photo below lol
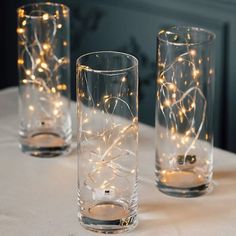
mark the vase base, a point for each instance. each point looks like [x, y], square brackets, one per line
[183, 184]
[108, 218]
[45, 145]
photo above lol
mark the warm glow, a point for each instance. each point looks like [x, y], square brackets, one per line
[53, 90]
[38, 60]
[61, 87]
[167, 103]
[193, 52]
[44, 65]
[31, 108]
[21, 13]
[46, 46]
[28, 72]
[20, 30]
[20, 61]
[123, 79]
[24, 22]
[45, 16]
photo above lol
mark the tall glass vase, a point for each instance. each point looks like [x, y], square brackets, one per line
[107, 98]
[44, 79]
[184, 111]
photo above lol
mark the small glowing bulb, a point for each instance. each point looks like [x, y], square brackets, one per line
[20, 30]
[38, 60]
[174, 95]
[180, 59]
[123, 79]
[183, 110]
[192, 52]
[20, 61]
[61, 87]
[172, 86]
[89, 132]
[172, 130]
[195, 73]
[46, 46]
[210, 71]
[53, 90]
[55, 112]
[132, 171]
[85, 121]
[21, 12]
[65, 43]
[206, 136]
[59, 26]
[65, 12]
[187, 132]
[40, 69]
[33, 77]
[24, 81]
[131, 93]
[200, 61]
[193, 105]
[186, 139]
[28, 72]
[24, 22]
[44, 65]
[160, 81]
[31, 108]
[167, 103]
[45, 16]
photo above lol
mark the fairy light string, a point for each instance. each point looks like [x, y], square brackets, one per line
[37, 60]
[110, 146]
[177, 105]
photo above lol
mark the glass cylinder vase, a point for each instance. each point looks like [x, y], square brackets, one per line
[184, 111]
[107, 98]
[44, 79]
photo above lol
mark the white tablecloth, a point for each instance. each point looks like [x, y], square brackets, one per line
[39, 196]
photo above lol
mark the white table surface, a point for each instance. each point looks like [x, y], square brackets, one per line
[38, 196]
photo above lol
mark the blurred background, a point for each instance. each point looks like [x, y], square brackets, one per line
[131, 26]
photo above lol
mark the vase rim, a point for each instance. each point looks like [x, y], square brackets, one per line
[44, 4]
[129, 56]
[162, 35]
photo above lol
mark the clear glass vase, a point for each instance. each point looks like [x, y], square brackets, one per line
[184, 111]
[44, 79]
[107, 98]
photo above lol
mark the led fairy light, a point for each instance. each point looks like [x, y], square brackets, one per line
[177, 105]
[109, 150]
[184, 111]
[43, 66]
